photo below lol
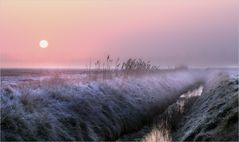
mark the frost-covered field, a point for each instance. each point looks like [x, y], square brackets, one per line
[66, 107]
[208, 113]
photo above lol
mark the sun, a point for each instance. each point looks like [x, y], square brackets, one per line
[43, 43]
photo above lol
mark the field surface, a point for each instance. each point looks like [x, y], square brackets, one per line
[192, 104]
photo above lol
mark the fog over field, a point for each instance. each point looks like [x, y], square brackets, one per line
[36, 105]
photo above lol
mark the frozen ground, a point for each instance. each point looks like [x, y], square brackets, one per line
[209, 113]
[214, 115]
[66, 107]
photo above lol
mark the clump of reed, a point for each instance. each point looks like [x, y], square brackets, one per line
[110, 67]
[138, 66]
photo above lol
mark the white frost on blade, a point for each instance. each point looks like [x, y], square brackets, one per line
[112, 106]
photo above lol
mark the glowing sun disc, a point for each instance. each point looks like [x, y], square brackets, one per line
[43, 43]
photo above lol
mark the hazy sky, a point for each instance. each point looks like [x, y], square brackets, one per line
[167, 32]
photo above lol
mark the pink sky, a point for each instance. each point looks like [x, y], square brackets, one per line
[167, 32]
